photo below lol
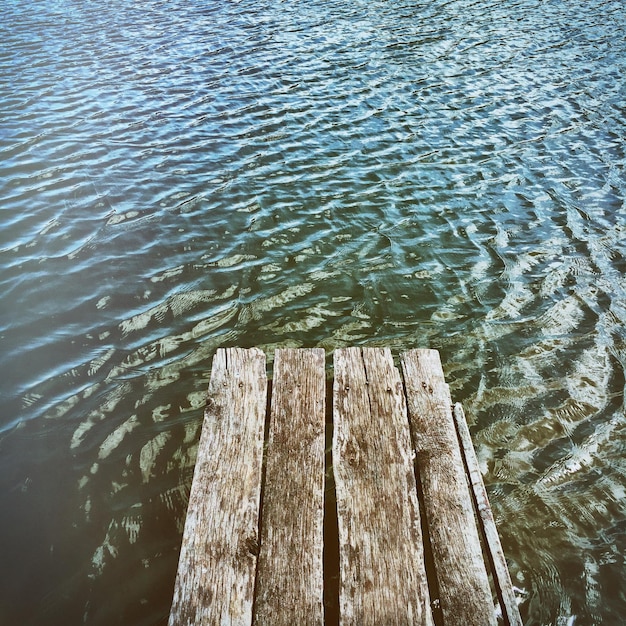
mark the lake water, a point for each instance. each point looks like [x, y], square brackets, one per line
[178, 176]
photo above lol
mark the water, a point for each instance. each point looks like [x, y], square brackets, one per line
[178, 176]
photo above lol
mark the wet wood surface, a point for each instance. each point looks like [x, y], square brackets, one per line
[462, 582]
[290, 573]
[382, 571]
[218, 557]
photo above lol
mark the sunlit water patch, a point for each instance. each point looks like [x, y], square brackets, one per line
[178, 176]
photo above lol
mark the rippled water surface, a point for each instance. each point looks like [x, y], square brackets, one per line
[177, 176]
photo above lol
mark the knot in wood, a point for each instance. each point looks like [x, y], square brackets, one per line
[252, 545]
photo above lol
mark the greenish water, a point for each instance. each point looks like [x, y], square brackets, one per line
[178, 176]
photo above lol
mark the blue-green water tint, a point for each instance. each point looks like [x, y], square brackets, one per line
[177, 176]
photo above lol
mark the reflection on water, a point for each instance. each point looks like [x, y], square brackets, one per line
[178, 176]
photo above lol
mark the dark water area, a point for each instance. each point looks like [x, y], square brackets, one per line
[179, 176]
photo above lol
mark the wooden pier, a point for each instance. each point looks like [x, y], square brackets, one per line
[390, 525]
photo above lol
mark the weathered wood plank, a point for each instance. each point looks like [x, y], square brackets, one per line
[218, 558]
[501, 576]
[464, 591]
[290, 581]
[383, 579]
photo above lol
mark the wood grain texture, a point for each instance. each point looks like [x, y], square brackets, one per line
[501, 576]
[464, 591]
[290, 580]
[218, 558]
[382, 579]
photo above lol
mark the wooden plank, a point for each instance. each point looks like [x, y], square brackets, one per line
[218, 557]
[290, 580]
[382, 578]
[464, 592]
[502, 579]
